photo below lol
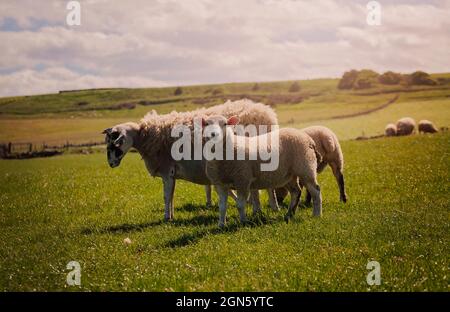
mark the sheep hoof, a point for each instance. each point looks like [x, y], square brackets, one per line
[168, 219]
[344, 199]
[286, 219]
[221, 225]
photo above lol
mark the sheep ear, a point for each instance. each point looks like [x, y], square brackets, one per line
[233, 120]
[107, 131]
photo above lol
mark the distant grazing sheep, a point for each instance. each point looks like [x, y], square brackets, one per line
[298, 158]
[152, 139]
[427, 126]
[405, 126]
[390, 130]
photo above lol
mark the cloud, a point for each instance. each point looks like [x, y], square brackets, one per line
[52, 80]
[206, 41]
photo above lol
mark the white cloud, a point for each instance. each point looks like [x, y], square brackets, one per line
[206, 41]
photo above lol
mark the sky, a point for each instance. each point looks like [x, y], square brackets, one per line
[152, 43]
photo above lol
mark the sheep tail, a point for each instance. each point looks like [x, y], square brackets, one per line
[318, 156]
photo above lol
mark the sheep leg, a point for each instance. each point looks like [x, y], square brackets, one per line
[273, 200]
[280, 194]
[241, 203]
[254, 195]
[340, 181]
[232, 195]
[295, 191]
[223, 200]
[316, 195]
[308, 199]
[320, 168]
[208, 196]
[169, 188]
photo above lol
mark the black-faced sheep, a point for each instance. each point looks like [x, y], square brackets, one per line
[405, 126]
[152, 139]
[390, 130]
[297, 159]
[427, 126]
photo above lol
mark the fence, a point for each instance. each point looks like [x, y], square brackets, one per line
[29, 150]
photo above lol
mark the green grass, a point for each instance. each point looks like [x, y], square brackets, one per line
[75, 207]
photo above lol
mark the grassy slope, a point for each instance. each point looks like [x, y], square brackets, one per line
[76, 208]
[51, 119]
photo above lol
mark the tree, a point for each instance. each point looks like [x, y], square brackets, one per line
[390, 78]
[178, 91]
[295, 87]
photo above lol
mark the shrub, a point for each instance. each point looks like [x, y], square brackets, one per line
[390, 78]
[217, 91]
[421, 78]
[295, 87]
[363, 83]
[255, 87]
[178, 91]
[348, 79]
[362, 79]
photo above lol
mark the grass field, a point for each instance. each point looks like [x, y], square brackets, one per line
[75, 207]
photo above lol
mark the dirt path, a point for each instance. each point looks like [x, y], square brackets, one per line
[391, 101]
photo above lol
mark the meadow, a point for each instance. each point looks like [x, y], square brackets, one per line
[75, 208]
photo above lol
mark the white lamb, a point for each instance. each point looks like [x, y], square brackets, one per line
[297, 160]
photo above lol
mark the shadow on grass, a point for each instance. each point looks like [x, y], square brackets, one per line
[190, 238]
[127, 227]
[121, 228]
[195, 236]
[195, 207]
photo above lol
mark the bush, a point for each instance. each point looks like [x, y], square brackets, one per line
[295, 87]
[256, 87]
[348, 79]
[362, 79]
[217, 91]
[178, 91]
[421, 78]
[363, 83]
[390, 78]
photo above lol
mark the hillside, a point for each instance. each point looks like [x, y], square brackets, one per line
[79, 116]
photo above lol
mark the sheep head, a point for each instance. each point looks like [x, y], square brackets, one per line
[215, 126]
[119, 140]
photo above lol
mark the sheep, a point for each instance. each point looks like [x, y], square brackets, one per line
[297, 159]
[390, 130]
[405, 126]
[152, 139]
[327, 145]
[427, 126]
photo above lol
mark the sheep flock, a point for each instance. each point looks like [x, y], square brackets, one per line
[407, 126]
[300, 155]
